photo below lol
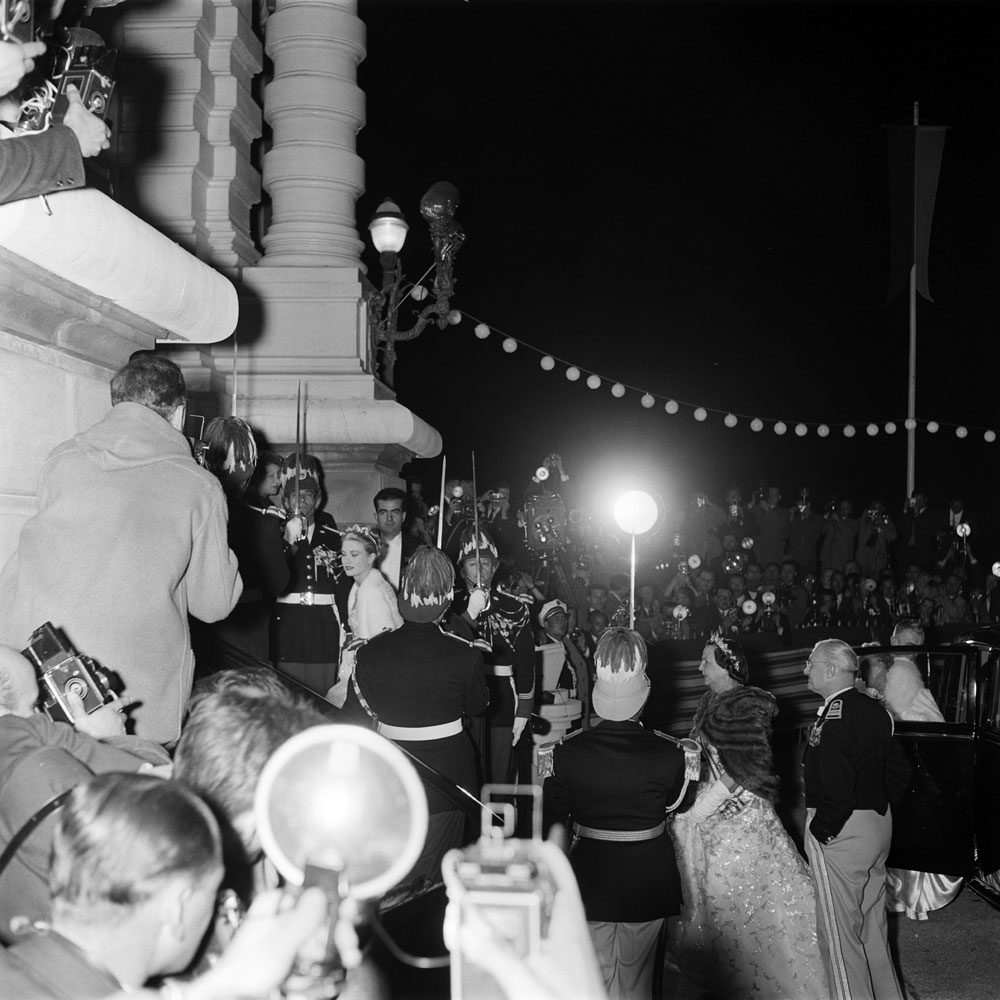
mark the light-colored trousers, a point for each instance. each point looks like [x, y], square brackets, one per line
[849, 875]
[629, 956]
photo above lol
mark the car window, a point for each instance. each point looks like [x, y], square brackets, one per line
[989, 701]
[947, 676]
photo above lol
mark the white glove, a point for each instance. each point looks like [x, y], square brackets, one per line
[519, 725]
[479, 601]
[708, 803]
[294, 529]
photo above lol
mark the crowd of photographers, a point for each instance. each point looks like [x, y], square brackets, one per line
[759, 566]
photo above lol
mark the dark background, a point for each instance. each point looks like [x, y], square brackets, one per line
[692, 198]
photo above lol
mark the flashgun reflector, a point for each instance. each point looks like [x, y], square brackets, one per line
[749, 607]
[963, 529]
[541, 473]
[345, 798]
[747, 543]
[768, 598]
[694, 560]
[680, 612]
[996, 569]
[457, 491]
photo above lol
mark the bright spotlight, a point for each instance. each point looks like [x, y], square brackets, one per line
[636, 512]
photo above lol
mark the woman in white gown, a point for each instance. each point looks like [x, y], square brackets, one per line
[748, 925]
[371, 604]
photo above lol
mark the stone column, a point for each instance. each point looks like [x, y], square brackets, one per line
[188, 121]
[315, 108]
[303, 314]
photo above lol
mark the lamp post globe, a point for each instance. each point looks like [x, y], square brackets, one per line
[388, 228]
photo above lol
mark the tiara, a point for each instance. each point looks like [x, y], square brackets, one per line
[364, 531]
[717, 640]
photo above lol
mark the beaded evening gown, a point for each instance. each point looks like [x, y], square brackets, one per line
[748, 926]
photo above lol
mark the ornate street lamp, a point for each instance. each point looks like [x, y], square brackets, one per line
[388, 228]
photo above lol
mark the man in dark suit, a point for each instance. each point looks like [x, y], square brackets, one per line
[397, 547]
[917, 529]
[615, 783]
[852, 770]
[417, 685]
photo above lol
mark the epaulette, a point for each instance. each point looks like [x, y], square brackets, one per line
[545, 765]
[692, 754]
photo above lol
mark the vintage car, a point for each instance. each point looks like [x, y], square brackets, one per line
[949, 820]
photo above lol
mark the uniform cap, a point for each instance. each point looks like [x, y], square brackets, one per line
[470, 545]
[428, 586]
[548, 609]
[302, 469]
[621, 686]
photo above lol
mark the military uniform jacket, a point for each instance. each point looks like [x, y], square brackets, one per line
[304, 633]
[256, 540]
[619, 776]
[418, 676]
[851, 762]
[506, 626]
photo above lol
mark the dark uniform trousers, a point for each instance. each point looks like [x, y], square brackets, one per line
[406, 682]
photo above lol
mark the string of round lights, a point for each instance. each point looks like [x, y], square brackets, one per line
[730, 418]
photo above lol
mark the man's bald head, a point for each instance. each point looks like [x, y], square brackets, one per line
[907, 633]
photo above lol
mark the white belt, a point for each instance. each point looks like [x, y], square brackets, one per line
[419, 733]
[500, 669]
[618, 836]
[307, 597]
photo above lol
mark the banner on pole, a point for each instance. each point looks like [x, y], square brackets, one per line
[914, 164]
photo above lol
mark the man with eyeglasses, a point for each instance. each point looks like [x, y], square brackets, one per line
[853, 768]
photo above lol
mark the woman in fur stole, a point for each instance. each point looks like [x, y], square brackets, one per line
[748, 927]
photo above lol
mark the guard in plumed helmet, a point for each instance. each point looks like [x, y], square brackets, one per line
[483, 611]
[417, 686]
[612, 786]
[230, 454]
[306, 630]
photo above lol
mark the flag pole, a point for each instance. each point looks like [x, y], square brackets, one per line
[444, 467]
[911, 398]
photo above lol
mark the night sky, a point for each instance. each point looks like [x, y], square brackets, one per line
[692, 199]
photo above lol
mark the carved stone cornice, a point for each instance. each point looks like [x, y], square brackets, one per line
[88, 284]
